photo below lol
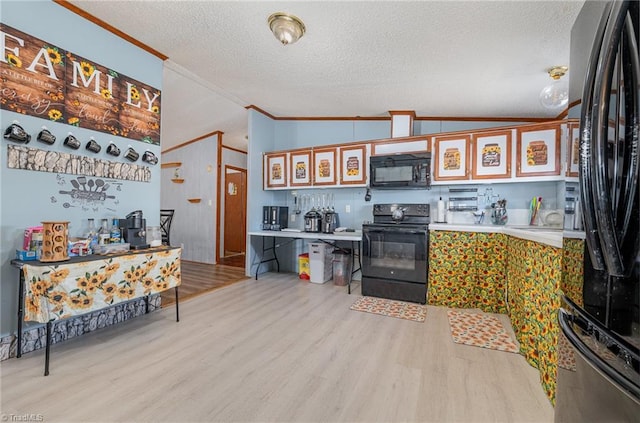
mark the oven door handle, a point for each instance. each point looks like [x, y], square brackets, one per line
[394, 230]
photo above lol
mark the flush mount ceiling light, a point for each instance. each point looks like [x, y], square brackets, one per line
[287, 28]
[556, 94]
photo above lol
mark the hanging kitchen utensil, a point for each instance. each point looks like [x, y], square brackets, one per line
[93, 146]
[45, 136]
[131, 154]
[71, 141]
[16, 133]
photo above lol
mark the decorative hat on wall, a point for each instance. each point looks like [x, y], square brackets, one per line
[131, 154]
[71, 141]
[45, 136]
[92, 145]
[113, 149]
[16, 133]
[149, 157]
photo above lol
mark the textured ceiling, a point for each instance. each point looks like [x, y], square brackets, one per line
[358, 58]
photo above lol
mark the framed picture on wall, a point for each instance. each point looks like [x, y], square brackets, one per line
[573, 147]
[538, 150]
[451, 161]
[491, 156]
[353, 166]
[276, 168]
[301, 167]
[324, 166]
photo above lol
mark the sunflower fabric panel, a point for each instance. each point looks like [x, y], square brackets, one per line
[572, 269]
[467, 270]
[452, 273]
[60, 291]
[534, 272]
[490, 293]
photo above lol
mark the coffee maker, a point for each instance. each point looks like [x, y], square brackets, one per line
[133, 229]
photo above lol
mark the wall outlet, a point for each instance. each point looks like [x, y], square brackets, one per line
[347, 208]
[293, 217]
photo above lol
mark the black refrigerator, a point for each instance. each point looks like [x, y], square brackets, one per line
[603, 333]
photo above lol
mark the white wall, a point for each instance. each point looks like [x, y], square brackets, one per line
[194, 224]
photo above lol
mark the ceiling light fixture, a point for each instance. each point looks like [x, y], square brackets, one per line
[556, 94]
[287, 28]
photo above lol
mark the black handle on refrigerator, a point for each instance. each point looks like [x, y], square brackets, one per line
[605, 232]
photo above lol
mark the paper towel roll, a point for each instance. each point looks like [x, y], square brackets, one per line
[441, 214]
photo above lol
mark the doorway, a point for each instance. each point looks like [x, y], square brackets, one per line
[234, 217]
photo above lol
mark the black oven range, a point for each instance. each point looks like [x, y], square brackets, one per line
[395, 252]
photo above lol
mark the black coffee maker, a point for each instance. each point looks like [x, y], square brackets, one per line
[133, 228]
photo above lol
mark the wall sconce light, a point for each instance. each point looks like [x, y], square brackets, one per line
[556, 94]
[131, 154]
[71, 141]
[45, 136]
[150, 158]
[92, 145]
[16, 133]
[287, 28]
[113, 149]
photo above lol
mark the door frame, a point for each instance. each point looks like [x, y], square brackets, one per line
[220, 221]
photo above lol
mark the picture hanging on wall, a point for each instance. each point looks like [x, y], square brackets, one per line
[45, 81]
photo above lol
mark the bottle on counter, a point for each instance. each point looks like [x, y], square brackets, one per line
[116, 235]
[92, 234]
[104, 234]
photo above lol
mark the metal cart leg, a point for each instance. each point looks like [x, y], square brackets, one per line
[46, 353]
[177, 307]
[20, 313]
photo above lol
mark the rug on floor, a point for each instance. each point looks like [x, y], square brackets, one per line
[480, 330]
[391, 308]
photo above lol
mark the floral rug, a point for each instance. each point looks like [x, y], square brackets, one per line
[479, 330]
[392, 308]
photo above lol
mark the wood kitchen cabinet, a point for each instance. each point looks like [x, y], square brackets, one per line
[301, 168]
[467, 270]
[275, 170]
[324, 166]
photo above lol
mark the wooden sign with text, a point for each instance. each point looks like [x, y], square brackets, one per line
[42, 80]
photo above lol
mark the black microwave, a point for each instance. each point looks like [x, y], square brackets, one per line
[408, 170]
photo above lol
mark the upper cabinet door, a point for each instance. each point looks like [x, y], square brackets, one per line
[451, 160]
[276, 170]
[538, 150]
[301, 167]
[324, 166]
[573, 149]
[491, 156]
[353, 165]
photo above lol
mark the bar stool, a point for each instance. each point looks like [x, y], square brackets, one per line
[166, 217]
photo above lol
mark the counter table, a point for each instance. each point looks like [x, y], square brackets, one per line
[50, 291]
[330, 239]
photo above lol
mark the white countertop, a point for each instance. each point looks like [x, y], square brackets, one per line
[543, 234]
[336, 236]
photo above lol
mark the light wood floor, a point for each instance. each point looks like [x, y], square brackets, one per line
[274, 350]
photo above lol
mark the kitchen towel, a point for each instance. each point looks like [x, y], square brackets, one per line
[391, 308]
[480, 330]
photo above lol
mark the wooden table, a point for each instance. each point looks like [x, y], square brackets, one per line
[59, 290]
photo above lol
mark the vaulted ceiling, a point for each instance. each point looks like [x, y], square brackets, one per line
[357, 58]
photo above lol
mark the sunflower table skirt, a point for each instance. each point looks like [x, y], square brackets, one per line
[55, 291]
